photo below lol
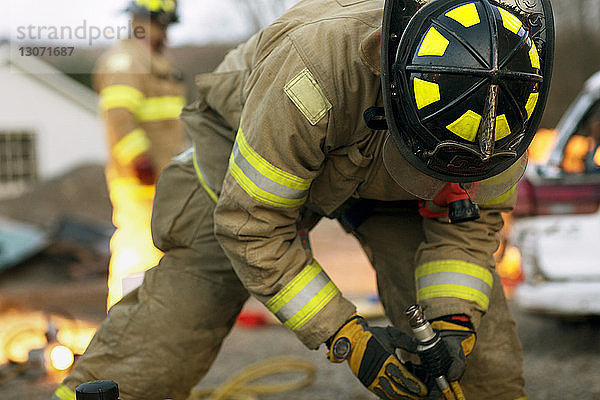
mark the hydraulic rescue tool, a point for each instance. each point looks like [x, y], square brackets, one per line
[433, 353]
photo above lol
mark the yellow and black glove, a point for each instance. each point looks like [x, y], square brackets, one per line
[370, 353]
[459, 336]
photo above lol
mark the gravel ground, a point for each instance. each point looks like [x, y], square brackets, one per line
[562, 362]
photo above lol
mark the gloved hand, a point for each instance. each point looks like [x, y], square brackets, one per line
[370, 353]
[143, 167]
[459, 336]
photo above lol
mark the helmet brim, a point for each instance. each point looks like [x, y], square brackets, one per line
[427, 187]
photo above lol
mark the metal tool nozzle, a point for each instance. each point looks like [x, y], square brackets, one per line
[415, 315]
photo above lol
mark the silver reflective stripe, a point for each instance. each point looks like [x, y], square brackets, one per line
[455, 278]
[309, 292]
[262, 181]
[303, 297]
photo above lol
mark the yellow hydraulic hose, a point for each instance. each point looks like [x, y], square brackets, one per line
[240, 386]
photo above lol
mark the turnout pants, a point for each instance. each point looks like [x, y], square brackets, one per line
[161, 339]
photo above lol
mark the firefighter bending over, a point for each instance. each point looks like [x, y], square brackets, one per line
[392, 128]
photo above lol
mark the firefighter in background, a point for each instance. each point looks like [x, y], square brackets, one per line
[141, 96]
[289, 129]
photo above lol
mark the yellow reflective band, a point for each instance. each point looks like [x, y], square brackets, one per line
[531, 103]
[434, 44]
[466, 15]
[426, 93]
[454, 278]
[315, 305]
[502, 198]
[303, 297]
[130, 146]
[293, 287]
[534, 56]
[522, 398]
[502, 127]
[458, 291]
[203, 183]
[120, 96]
[160, 108]
[509, 21]
[466, 126]
[64, 393]
[263, 181]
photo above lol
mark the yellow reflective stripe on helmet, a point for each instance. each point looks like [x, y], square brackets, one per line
[434, 44]
[426, 92]
[303, 297]
[160, 108]
[466, 126]
[64, 393]
[502, 127]
[130, 146]
[120, 96]
[531, 103]
[203, 182]
[263, 181]
[534, 56]
[157, 5]
[466, 15]
[509, 21]
[454, 278]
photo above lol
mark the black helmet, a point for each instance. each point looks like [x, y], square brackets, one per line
[163, 11]
[464, 90]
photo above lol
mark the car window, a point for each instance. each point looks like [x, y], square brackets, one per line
[581, 154]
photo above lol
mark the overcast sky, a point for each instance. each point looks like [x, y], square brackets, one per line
[202, 21]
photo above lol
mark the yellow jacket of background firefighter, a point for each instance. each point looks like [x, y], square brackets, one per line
[141, 96]
[279, 142]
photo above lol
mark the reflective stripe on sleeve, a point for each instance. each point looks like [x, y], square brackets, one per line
[203, 182]
[263, 181]
[117, 96]
[160, 108]
[145, 109]
[63, 393]
[130, 146]
[454, 278]
[303, 297]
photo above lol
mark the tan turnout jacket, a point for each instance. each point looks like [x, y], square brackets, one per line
[291, 101]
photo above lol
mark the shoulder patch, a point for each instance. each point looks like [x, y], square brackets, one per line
[308, 96]
[119, 63]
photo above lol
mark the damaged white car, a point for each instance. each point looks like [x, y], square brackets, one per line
[557, 219]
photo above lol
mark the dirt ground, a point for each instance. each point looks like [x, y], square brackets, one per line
[561, 358]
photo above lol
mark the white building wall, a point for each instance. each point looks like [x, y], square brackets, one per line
[68, 134]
